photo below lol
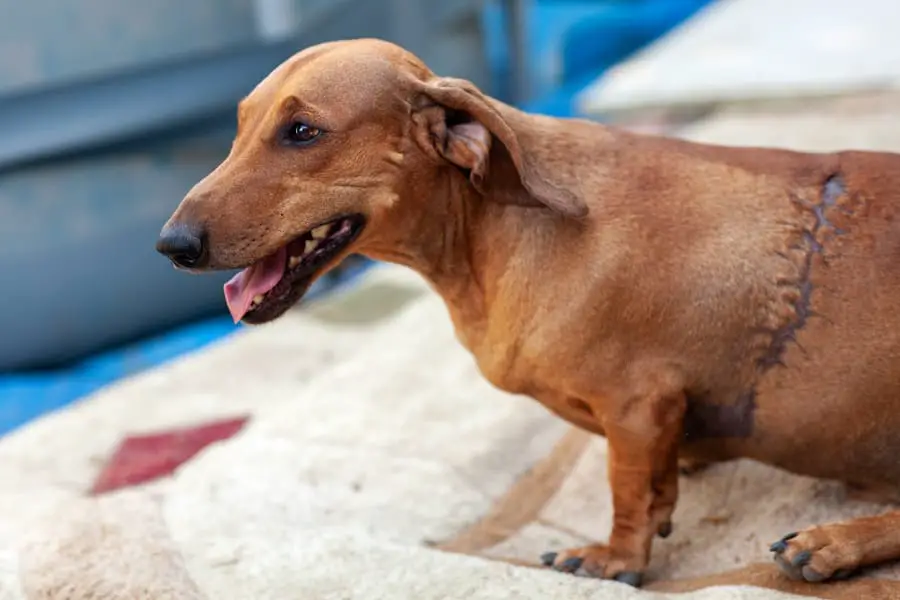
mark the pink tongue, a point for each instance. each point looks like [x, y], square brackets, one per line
[252, 281]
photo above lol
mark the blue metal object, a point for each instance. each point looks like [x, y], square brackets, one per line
[570, 43]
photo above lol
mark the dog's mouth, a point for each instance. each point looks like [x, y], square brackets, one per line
[267, 288]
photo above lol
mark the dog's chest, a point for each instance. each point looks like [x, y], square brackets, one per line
[497, 354]
[519, 361]
[497, 359]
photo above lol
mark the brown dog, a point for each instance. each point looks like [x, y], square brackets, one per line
[680, 299]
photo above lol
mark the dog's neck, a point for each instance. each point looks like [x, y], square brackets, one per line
[447, 240]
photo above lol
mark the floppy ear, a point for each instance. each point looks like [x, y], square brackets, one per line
[455, 120]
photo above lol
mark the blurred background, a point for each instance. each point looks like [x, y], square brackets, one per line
[110, 111]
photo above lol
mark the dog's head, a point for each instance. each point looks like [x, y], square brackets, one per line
[337, 150]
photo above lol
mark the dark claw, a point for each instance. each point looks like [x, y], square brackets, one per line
[812, 576]
[632, 578]
[787, 569]
[665, 530]
[781, 545]
[548, 558]
[801, 559]
[570, 565]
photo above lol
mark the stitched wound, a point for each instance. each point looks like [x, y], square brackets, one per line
[811, 243]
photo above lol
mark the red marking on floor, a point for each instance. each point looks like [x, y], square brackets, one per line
[144, 458]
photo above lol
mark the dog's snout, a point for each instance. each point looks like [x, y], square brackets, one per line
[184, 245]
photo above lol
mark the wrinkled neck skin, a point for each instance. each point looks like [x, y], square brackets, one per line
[447, 241]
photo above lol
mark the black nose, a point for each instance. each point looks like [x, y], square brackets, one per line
[184, 245]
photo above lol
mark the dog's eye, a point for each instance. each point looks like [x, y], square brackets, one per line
[301, 133]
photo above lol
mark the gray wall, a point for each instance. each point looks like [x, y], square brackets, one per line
[45, 41]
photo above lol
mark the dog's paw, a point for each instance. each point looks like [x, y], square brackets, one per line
[814, 555]
[591, 561]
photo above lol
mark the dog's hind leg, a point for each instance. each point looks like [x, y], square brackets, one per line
[836, 550]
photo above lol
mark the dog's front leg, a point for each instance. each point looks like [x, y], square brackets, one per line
[643, 434]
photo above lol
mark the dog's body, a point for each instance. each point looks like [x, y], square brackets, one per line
[678, 298]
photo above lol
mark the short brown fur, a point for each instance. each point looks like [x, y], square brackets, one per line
[683, 300]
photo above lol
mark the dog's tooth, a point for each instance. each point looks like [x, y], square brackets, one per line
[321, 232]
[294, 261]
[257, 299]
[310, 246]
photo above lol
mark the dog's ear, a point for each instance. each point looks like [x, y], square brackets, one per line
[455, 121]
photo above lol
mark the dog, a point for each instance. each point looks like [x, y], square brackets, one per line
[686, 301]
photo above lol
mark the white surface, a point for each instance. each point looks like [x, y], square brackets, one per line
[749, 49]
